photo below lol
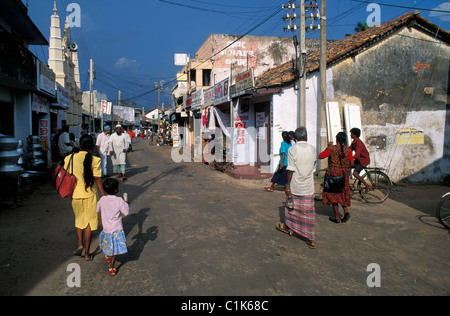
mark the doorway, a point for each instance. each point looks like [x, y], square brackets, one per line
[262, 125]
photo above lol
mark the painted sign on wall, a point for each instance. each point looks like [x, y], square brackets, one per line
[237, 53]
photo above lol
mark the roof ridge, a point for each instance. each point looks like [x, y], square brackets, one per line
[355, 42]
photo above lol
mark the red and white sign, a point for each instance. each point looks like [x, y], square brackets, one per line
[43, 130]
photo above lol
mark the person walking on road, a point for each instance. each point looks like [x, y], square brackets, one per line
[102, 146]
[86, 169]
[280, 175]
[300, 185]
[118, 150]
[112, 239]
[340, 159]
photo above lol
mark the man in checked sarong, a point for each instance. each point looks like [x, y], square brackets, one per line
[300, 184]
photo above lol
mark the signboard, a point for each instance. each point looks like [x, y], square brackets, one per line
[39, 104]
[62, 96]
[245, 81]
[125, 113]
[197, 99]
[238, 53]
[106, 107]
[175, 135]
[44, 126]
[182, 87]
[221, 90]
[181, 59]
[46, 79]
[406, 136]
[208, 96]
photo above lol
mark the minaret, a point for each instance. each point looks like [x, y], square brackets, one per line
[55, 50]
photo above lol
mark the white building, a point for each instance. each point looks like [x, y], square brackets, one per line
[63, 60]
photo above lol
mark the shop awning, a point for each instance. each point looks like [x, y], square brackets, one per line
[58, 106]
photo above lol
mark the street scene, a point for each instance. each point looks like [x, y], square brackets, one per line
[193, 231]
[277, 148]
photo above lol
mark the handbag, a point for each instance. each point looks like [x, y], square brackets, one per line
[65, 181]
[334, 184]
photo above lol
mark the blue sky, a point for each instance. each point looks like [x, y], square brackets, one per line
[133, 42]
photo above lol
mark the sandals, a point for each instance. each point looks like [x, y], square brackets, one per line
[112, 271]
[89, 258]
[337, 221]
[346, 217]
[283, 228]
[78, 252]
[268, 189]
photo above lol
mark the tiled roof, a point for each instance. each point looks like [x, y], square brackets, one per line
[350, 46]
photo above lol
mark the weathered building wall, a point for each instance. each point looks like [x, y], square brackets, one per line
[401, 83]
[259, 52]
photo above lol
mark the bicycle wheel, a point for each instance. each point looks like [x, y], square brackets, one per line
[381, 186]
[319, 177]
[443, 210]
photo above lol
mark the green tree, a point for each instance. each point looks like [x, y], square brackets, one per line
[360, 26]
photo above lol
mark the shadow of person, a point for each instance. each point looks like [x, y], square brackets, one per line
[140, 239]
[138, 245]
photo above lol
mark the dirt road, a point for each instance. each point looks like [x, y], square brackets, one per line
[193, 231]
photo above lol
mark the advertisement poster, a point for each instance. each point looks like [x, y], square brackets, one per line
[175, 135]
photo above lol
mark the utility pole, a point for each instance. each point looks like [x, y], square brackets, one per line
[119, 107]
[304, 6]
[323, 77]
[302, 66]
[159, 87]
[91, 96]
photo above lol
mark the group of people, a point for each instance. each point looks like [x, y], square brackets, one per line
[86, 206]
[89, 171]
[116, 145]
[296, 171]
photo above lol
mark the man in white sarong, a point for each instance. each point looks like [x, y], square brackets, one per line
[118, 144]
[102, 145]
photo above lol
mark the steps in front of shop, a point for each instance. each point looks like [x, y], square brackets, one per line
[248, 172]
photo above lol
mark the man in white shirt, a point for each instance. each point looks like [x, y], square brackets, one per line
[64, 144]
[300, 185]
[118, 145]
[102, 145]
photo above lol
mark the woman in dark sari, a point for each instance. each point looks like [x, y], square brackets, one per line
[340, 160]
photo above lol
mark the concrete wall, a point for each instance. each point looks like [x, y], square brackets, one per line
[402, 82]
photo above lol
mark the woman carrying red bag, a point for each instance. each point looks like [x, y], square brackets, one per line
[87, 170]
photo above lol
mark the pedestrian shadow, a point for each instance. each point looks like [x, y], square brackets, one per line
[134, 171]
[140, 239]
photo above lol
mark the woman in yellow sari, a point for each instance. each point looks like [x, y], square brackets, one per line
[87, 170]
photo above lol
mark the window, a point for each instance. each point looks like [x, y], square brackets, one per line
[206, 77]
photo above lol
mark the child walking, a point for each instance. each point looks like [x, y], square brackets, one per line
[112, 208]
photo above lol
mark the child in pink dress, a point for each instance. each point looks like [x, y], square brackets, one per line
[112, 208]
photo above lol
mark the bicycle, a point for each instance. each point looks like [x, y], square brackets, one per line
[443, 210]
[381, 185]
